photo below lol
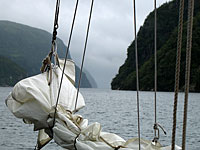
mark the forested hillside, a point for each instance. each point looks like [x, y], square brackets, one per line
[167, 21]
[26, 47]
[10, 72]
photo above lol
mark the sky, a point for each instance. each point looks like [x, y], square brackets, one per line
[111, 30]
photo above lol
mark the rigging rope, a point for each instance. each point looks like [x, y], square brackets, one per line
[188, 62]
[177, 74]
[67, 51]
[137, 74]
[83, 57]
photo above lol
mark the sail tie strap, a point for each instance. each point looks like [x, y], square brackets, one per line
[114, 147]
[47, 65]
[75, 141]
[76, 121]
[101, 138]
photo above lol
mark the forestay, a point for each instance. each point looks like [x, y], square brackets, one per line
[33, 100]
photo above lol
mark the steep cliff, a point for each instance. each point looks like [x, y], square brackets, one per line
[166, 45]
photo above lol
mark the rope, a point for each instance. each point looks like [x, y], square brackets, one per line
[109, 144]
[75, 142]
[83, 58]
[177, 74]
[137, 74]
[188, 62]
[69, 41]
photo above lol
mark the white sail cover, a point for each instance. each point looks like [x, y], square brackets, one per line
[69, 69]
[33, 100]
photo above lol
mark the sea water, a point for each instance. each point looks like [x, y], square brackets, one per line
[117, 113]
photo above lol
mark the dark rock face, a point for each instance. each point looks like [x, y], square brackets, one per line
[167, 22]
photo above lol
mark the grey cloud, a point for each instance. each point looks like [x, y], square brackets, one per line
[110, 34]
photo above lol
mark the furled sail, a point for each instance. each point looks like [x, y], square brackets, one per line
[33, 100]
[69, 69]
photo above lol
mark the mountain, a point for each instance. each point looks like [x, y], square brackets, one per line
[85, 82]
[167, 22]
[10, 72]
[27, 47]
[91, 79]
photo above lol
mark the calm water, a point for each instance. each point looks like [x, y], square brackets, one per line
[116, 111]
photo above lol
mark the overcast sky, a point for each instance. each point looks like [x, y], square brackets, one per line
[110, 34]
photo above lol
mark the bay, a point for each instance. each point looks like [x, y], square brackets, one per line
[117, 113]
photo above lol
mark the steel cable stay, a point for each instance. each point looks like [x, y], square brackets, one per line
[67, 52]
[137, 74]
[84, 51]
[156, 125]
